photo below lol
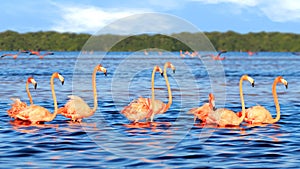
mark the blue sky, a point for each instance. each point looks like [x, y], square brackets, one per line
[89, 16]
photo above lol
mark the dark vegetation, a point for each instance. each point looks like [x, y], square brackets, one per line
[231, 41]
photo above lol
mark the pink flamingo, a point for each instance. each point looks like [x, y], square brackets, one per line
[217, 57]
[202, 112]
[157, 106]
[41, 56]
[37, 114]
[225, 117]
[18, 105]
[145, 107]
[259, 114]
[181, 54]
[139, 109]
[76, 108]
[10, 54]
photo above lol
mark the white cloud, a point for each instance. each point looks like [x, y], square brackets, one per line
[282, 11]
[237, 2]
[149, 23]
[275, 10]
[88, 18]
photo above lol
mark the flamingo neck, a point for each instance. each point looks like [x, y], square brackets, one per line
[153, 96]
[152, 85]
[28, 93]
[94, 91]
[242, 101]
[275, 101]
[169, 88]
[54, 98]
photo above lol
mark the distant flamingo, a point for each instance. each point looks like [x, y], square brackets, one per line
[18, 105]
[76, 108]
[250, 53]
[225, 117]
[181, 54]
[41, 56]
[202, 112]
[217, 57]
[10, 54]
[146, 53]
[259, 114]
[37, 114]
[139, 109]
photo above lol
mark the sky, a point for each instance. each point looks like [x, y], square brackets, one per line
[90, 16]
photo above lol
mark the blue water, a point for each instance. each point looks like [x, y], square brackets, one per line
[105, 140]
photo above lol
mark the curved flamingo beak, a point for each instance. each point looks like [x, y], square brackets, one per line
[286, 86]
[35, 85]
[162, 74]
[252, 84]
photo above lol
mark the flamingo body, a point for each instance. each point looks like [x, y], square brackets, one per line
[76, 109]
[258, 114]
[35, 114]
[223, 117]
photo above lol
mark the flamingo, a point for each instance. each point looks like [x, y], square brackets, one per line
[76, 108]
[41, 56]
[139, 109]
[181, 54]
[158, 107]
[225, 117]
[18, 105]
[37, 114]
[202, 112]
[218, 55]
[259, 114]
[10, 54]
[145, 107]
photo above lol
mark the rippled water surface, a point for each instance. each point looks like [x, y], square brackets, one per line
[107, 140]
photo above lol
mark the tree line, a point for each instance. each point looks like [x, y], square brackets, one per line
[231, 41]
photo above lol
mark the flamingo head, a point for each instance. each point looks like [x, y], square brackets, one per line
[158, 69]
[250, 79]
[283, 81]
[32, 81]
[60, 77]
[101, 69]
[170, 65]
[211, 99]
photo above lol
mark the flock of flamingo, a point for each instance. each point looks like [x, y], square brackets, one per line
[31, 52]
[144, 108]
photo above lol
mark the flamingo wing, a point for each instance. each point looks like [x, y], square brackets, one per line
[222, 117]
[16, 107]
[257, 114]
[34, 113]
[75, 108]
[200, 112]
[137, 109]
